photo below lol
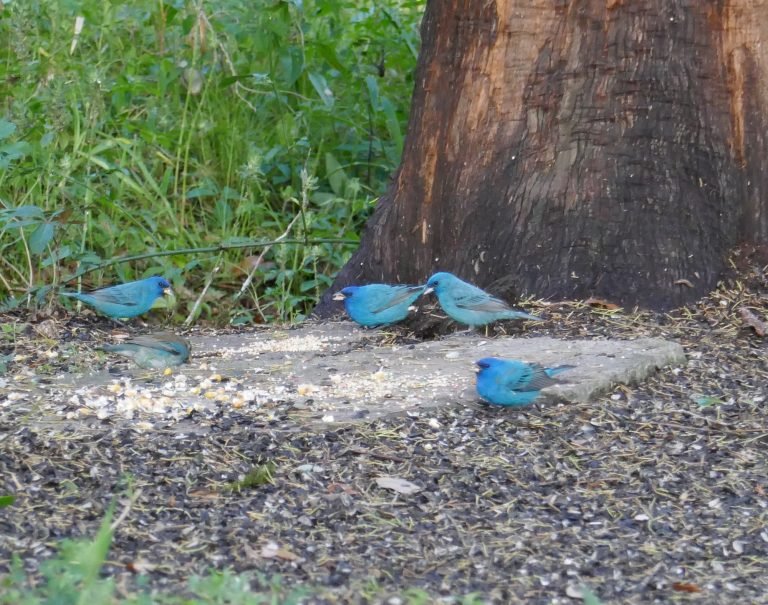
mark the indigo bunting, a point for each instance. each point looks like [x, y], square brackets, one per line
[468, 304]
[125, 300]
[154, 351]
[378, 304]
[510, 382]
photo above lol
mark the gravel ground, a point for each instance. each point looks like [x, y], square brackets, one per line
[652, 494]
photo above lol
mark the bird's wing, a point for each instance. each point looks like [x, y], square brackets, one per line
[123, 294]
[398, 295]
[481, 301]
[533, 378]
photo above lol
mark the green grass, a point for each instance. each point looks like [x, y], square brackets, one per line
[208, 127]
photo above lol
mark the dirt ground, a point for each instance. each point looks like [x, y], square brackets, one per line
[655, 493]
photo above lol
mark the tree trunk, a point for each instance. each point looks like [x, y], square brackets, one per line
[611, 148]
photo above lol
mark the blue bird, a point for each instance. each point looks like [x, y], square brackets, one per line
[125, 300]
[468, 304]
[510, 382]
[154, 351]
[378, 304]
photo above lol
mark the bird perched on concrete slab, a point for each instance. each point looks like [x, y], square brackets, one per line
[125, 300]
[468, 304]
[509, 382]
[154, 351]
[378, 304]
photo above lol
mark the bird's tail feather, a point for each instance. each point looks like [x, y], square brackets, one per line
[558, 369]
[522, 315]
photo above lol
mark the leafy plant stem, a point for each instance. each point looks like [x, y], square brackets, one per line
[206, 250]
[260, 258]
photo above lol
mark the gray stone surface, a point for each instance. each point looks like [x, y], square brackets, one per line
[337, 372]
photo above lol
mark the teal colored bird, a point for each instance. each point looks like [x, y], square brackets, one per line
[468, 304]
[509, 382]
[154, 351]
[125, 300]
[378, 304]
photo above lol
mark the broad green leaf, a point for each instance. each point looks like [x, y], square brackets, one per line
[228, 193]
[322, 88]
[202, 191]
[328, 53]
[336, 176]
[41, 237]
[42, 293]
[373, 91]
[47, 139]
[6, 501]
[22, 212]
[292, 65]
[6, 128]
[322, 197]
[393, 124]
[12, 151]
[19, 224]
[170, 12]
[88, 258]
[223, 214]
[56, 255]
[286, 131]
[308, 285]
[9, 304]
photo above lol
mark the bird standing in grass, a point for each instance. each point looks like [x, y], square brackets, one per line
[125, 300]
[154, 351]
[509, 382]
[378, 304]
[468, 304]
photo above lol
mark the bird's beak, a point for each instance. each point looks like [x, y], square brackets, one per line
[428, 291]
[339, 296]
[167, 292]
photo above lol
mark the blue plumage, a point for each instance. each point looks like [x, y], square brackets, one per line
[468, 304]
[509, 382]
[125, 300]
[378, 304]
[155, 352]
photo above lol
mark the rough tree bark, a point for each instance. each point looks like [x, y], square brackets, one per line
[614, 148]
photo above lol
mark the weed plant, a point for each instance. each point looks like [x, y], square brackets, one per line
[137, 129]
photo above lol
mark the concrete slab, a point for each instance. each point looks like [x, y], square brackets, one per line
[338, 372]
